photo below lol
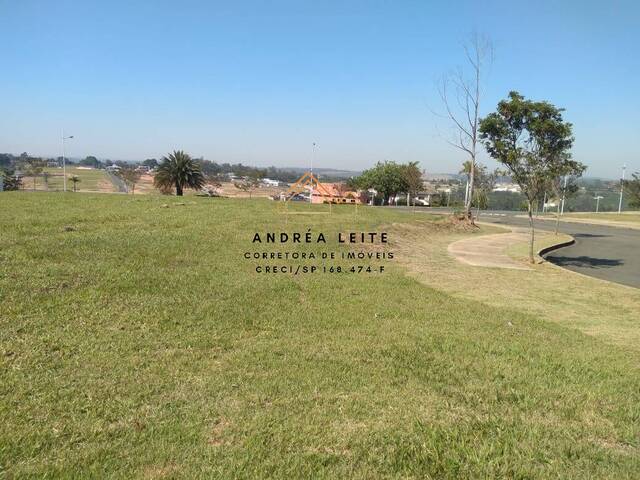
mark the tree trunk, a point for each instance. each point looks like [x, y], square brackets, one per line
[532, 237]
[557, 218]
[468, 212]
[178, 190]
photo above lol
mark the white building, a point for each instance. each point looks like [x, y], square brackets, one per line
[270, 183]
[507, 187]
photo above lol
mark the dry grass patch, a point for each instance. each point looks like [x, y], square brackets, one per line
[596, 307]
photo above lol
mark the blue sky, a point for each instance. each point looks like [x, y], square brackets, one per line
[259, 82]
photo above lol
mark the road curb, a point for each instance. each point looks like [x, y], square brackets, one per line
[544, 251]
[556, 246]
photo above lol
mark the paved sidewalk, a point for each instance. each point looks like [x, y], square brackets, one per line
[490, 250]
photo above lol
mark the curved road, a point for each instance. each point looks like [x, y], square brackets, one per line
[609, 253]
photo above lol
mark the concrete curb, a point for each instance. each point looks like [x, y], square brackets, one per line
[556, 246]
[596, 279]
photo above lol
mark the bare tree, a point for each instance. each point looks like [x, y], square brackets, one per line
[212, 185]
[563, 186]
[248, 184]
[130, 176]
[484, 183]
[460, 92]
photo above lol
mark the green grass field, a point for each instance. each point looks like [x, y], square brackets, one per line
[137, 342]
[91, 180]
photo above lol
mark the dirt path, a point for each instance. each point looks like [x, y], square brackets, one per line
[489, 250]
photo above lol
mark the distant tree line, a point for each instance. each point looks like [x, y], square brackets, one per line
[209, 168]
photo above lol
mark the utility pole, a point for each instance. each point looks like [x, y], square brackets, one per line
[313, 154]
[624, 168]
[64, 163]
[597, 198]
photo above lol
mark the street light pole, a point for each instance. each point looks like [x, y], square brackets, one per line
[564, 189]
[624, 168]
[313, 155]
[64, 162]
[597, 199]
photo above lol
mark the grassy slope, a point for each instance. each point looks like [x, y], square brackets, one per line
[142, 344]
[91, 180]
[603, 309]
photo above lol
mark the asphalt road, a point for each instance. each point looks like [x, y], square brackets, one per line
[609, 253]
[118, 182]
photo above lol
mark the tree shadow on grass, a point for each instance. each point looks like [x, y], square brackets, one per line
[584, 261]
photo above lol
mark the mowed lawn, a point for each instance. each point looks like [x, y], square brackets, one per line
[137, 342]
[91, 180]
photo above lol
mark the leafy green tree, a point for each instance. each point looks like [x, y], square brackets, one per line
[9, 179]
[532, 140]
[34, 167]
[90, 161]
[485, 182]
[413, 180]
[466, 168]
[178, 170]
[6, 160]
[150, 162]
[387, 178]
[632, 188]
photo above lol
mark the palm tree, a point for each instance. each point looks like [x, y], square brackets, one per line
[179, 170]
